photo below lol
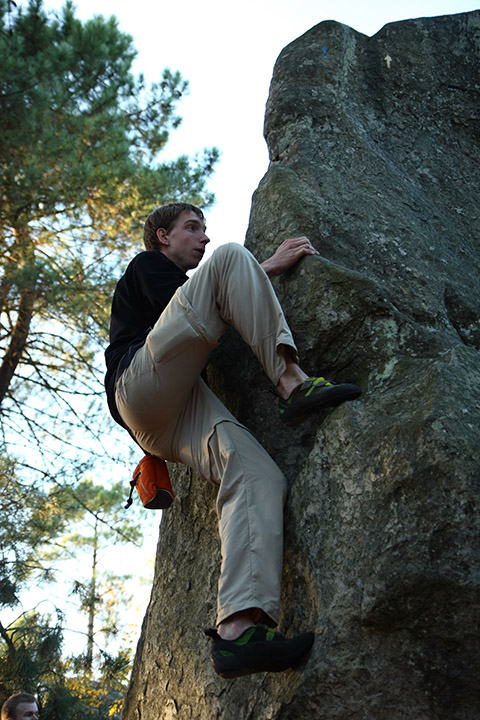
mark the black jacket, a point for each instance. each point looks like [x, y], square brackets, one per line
[140, 297]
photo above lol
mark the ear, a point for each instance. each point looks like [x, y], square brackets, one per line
[162, 236]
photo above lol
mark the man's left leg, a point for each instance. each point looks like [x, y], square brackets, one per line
[250, 505]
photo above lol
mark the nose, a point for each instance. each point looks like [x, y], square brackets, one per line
[205, 239]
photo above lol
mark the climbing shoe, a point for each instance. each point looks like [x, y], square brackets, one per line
[313, 394]
[258, 649]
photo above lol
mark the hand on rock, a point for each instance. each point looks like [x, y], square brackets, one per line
[287, 254]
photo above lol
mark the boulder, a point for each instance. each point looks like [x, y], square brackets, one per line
[374, 155]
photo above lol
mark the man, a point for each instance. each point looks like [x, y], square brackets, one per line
[21, 706]
[164, 326]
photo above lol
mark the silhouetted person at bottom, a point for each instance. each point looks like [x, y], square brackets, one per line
[164, 326]
[21, 706]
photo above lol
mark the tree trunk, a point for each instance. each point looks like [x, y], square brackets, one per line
[18, 342]
[22, 256]
[92, 603]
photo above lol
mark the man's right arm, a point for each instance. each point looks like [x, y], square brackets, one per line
[287, 254]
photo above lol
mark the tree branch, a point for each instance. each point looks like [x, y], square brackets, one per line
[6, 637]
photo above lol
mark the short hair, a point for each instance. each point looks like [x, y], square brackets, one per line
[9, 707]
[164, 217]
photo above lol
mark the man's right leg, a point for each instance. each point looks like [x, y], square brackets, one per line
[231, 288]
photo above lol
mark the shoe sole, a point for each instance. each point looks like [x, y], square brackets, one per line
[328, 397]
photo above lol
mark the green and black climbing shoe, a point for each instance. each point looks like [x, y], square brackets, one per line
[258, 649]
[313, 394]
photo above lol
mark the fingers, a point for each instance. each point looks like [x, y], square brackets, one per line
[287, 254]
[300, 245]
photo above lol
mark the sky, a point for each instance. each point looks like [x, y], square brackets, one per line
[227, 53]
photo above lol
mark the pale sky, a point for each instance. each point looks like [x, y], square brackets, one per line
[227, 52]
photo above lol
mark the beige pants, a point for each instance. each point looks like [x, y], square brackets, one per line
[173, 414]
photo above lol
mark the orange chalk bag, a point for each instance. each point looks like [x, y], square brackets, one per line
[152, 481]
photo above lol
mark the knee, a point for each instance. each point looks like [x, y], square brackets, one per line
[229, 251]
[232, 257]
[238, 458]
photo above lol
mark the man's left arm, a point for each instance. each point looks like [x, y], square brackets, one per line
[287, 254]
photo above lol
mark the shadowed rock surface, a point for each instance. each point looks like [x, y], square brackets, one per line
[374, 149]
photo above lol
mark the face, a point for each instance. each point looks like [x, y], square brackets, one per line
[27, 711]
[185, 243]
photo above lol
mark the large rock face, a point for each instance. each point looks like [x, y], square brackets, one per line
[374, 147]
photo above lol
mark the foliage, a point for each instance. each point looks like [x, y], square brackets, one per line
[31, 515]
[32, 651]
[102, 697]
[101, 591]
[33, 535]
[33, 662]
